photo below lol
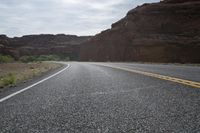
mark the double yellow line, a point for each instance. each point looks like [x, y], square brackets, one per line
[163, 77]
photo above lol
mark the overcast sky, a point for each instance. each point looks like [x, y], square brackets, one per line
[79, 17]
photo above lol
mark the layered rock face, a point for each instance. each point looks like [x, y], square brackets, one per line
[168, 31]
[5, 49]
[44, 44]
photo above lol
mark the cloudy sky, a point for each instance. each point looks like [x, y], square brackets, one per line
[80, 17]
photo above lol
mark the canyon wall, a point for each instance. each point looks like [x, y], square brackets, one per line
[168, 31]
[43, 44]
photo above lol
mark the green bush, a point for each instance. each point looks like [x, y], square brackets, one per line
[6, 59]
[7, 80]
[27, 59]
[48, 58]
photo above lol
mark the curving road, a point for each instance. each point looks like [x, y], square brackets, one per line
[101, 98]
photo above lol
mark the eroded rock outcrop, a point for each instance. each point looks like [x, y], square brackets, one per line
[168, 31]
[43, 44]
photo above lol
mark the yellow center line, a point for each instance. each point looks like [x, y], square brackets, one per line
[163, 77]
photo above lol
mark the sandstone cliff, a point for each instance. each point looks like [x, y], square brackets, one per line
[43, 44]
[168, 31]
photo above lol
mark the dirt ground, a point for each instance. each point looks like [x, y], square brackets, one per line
[13, 73]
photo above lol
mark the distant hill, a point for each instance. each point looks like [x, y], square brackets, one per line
[43, 44]
[168, 31]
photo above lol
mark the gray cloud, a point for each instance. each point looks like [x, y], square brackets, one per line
[80, 17]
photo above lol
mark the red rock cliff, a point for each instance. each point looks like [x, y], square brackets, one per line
[43, 44]
[168, 31]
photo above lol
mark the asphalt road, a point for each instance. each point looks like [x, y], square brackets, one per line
[90, 98]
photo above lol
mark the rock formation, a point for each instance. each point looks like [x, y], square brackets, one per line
[43, 44]
[168, 31]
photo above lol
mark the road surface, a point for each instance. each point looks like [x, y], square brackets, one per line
[105, 98]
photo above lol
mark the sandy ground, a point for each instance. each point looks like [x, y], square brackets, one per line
[25, 71]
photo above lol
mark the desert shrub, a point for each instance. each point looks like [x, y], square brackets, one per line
[6, 59]
[48, 58]
[39, 58]
[27, 59]
[7, 80]
[64, 58]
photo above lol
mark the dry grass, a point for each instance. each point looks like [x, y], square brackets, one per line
[12, 73]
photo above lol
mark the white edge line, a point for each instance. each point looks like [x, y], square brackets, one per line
[20, 91]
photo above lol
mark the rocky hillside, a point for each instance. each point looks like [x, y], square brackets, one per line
[44, 44]
[168, 31]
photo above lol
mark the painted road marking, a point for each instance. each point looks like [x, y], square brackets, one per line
[20, 91]
[163, 77]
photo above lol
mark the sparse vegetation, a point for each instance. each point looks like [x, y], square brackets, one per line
[7, 80]
[26, 59]
[6, 59]
[13, 73]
